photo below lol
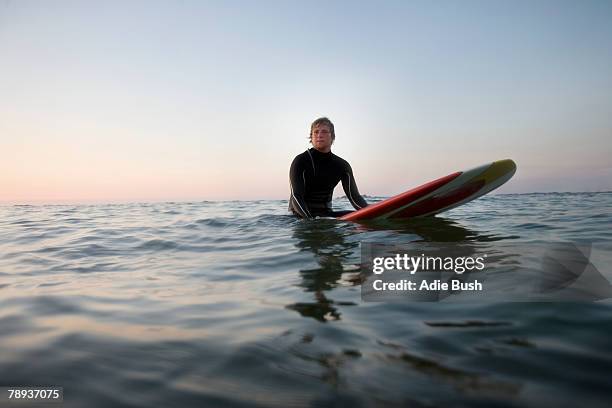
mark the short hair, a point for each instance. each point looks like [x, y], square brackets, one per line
[323, 121]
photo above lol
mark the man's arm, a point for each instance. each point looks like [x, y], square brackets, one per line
[350, 189]
[297, 182]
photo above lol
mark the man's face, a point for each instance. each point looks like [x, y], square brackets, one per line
[321, 138]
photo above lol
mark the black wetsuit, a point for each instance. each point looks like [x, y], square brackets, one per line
[313, 176]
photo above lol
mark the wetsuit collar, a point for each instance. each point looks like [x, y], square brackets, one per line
[319, 154]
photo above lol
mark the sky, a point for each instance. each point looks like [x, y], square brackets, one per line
[110, 101]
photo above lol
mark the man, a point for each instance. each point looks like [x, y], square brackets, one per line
[315, 173]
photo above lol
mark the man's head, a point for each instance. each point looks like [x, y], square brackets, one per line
[322, 134]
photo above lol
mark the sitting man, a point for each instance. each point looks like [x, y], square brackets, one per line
[315, 173]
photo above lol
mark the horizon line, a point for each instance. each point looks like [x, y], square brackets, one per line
[36, 203]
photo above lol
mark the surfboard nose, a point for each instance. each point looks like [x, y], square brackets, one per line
[508, 164]
[506, 167]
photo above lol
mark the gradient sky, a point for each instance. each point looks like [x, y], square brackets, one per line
[189, 100]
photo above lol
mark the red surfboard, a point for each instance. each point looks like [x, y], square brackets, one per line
[441, 194]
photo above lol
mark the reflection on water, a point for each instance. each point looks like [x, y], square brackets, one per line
[325, 239]
[239, 304]
[434, 229]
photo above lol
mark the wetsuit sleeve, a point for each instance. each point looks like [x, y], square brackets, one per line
[297, 180]
[350, 188]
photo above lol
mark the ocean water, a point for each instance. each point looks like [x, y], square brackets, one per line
[239, 304]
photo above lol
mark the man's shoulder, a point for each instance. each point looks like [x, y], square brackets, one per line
[341, 161]
[300, 157]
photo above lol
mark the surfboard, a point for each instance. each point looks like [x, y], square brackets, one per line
[439, 195]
